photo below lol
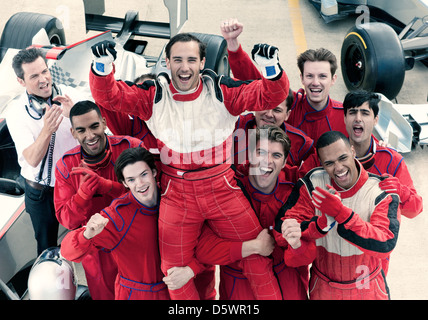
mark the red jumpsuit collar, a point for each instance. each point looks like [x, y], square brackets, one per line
[313, 114]
[143, 208]
[183, 96]
[368, 159]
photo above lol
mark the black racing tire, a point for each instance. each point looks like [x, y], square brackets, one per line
[372, 59]
[216, 53]
[23, 26]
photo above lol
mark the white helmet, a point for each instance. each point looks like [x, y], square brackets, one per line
[52, 277]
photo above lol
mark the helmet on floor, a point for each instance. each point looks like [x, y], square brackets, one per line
[52, 277]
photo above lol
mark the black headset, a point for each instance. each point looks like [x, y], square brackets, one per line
[39, 104]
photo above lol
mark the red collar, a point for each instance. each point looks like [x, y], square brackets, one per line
[183, 96]
[313, 114]
[368, 159]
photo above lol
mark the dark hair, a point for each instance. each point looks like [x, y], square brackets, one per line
[320, 54]
[26, 56]
[131, 156]
[290, 99]
[329, 137]
[274, 134]
[144, 77]
[83, 107]
[185, 37]
[356, 99]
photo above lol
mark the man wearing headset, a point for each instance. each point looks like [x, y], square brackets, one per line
[41, 136]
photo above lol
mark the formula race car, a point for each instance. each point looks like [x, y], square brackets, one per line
[69, 65]
[387, 40]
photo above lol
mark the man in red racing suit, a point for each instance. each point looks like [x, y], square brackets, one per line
[124, 124]
[86, 183]
[243, 68]
[193, 118]
[266, 192]
[361, 110]
[128, 230]
[312, 111]
[353, 222]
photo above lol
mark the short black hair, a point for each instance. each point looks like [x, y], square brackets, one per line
[330, 137]
[185, 37]
[131, 156]
[355, 99]
[83, 107]
[26, 56]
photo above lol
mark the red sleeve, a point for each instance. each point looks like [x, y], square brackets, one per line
[377, 237]
[213, 250]
[291, 173]
[242, 66]
[124, 125]
[119, 123]
[413, 205]
[75, 246]
[261, 94]
[119, 96]
[302, 256]
[70, 208]
[305, 149]
[299, 206]
[256, 95]
[311, 162]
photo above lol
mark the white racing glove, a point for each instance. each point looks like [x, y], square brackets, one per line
[103, 56]
[266, 56]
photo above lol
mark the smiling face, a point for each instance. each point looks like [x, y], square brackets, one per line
[317, 80]
[185, 65]
[275, 116]
[89, 129]
[360, 122]
[139, 178]
[338, 160]
[37, 78]
[268, 159]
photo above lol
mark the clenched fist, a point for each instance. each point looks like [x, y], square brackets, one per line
[94, 226]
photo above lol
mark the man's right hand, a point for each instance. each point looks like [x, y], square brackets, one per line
[230, 30]
[52, 119]
[95, 225]
[88, 185]
[291, 232]
[262, 245]
[103, 56]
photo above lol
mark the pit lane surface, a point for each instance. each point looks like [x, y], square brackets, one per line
[292, 26]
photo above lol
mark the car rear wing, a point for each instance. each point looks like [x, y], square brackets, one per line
[402, 126]
[96, 21]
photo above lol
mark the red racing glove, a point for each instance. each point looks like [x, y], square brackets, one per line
[330, 204]
[392, 185]
[103, 186]
[88, 187]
